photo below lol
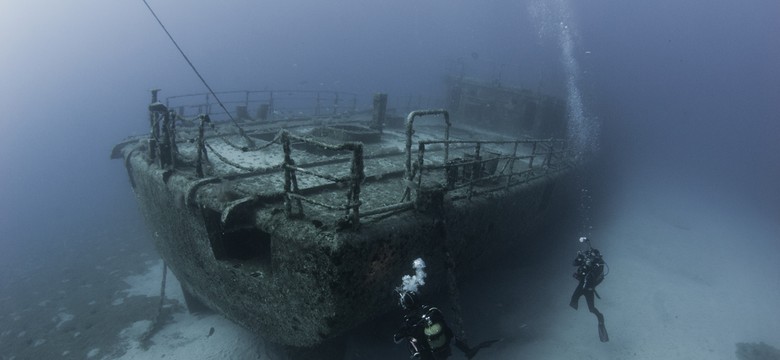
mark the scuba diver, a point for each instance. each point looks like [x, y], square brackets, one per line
[590, 273]
[427, 332]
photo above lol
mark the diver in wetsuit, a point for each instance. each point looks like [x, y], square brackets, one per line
[427, 333]
[590, 272]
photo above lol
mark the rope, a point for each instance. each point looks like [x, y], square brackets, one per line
[162, 290]
[158, 321]
[250, 142]
[222, 137]
[228, 142]
[219, 134]
[226, 161]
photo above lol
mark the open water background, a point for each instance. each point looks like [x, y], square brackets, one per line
[678, 100]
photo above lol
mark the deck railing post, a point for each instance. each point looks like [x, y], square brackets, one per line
[548, 156]
[512, 164]
[287, 177]
[380, 110]
[165, 149]
[356, 178]
[290, 180]
[154, 128]
[420, 159]
[167, 145]
[317, 105]
[202, 155]
[271, 105]
[409, 175]
[476, 169]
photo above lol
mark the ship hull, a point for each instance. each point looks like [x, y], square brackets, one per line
[306, 282]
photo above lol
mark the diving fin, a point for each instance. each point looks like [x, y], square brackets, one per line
[471, 352]
[603, 333]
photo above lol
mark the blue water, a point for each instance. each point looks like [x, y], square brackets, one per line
[676, 104]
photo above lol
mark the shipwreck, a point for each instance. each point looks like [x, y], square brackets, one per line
[295, 214]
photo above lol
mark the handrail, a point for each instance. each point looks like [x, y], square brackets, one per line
[315, 100]
[550, 162]
[354, 180]
[162, 135]
[554, 156]
[409, 131]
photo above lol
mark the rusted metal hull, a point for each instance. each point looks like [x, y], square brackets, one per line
[308, 281]
[303, 231]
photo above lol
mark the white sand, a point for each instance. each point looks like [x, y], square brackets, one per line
[187, 336]
[689, 277]
[148, 283]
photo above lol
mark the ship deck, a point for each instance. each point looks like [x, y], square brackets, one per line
[322, 175]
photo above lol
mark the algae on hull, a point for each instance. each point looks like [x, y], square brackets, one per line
[299, 245]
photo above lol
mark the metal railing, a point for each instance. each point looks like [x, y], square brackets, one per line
[554, 152]
[353, 181]
[478, 172]
[479, 169]
[410, 172]
[266, 104]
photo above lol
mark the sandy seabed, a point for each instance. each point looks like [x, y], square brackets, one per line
[687, 280]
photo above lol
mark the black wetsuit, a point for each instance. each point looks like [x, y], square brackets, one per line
[428, 334]
[590, 273]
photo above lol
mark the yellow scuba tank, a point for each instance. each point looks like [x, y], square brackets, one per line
[434, 331]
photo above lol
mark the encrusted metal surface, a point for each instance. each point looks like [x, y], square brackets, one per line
[302, 277]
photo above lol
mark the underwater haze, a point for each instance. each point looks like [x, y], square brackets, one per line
[675, 104]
